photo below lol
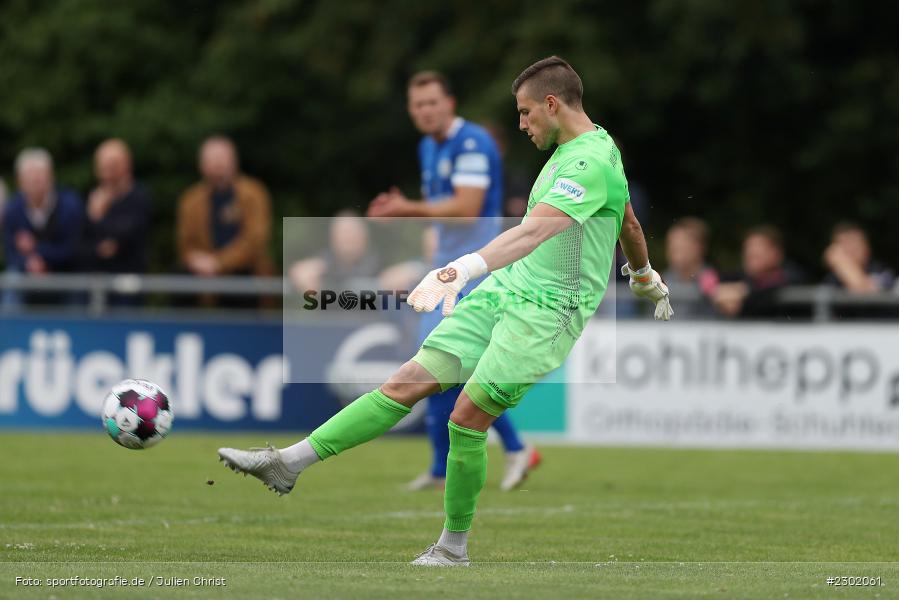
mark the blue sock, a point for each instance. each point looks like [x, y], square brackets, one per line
[507, 432]
[440, 406]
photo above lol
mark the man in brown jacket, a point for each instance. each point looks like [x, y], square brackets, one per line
[225, 220]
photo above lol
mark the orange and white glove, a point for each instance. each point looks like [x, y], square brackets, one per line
[646, 283]
[446, 283]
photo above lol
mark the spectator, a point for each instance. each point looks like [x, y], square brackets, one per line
[848, 257]
[765, 271]
[347, 264]
[690, 280]
[406, 275]
[41, 224]
[2, 198]
[4, 294]
[224, 221]
[118, 214]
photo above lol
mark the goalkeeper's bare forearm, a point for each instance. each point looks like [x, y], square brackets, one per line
[542, 223]
[443, 285]
[632, 240]
[644, 281]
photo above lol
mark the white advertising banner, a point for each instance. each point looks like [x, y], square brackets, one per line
[709, 384]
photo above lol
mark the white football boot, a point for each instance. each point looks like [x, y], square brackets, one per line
[438, 556]
[518, 465]
[265, 464]
[426, 481]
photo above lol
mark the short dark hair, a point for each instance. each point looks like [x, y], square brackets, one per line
[555, 76]
[694, 227]
[848, 226]
[769, 232]
[425, 77]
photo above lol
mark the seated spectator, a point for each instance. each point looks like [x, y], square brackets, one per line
[690, 280]
[118, 215]
[848, 257]
[347, 263]
[405, 276]
[8, 298]
[2, 198]
[753, 292]
[41, 223]
[225, 220]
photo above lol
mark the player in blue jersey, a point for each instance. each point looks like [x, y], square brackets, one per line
[461, 180]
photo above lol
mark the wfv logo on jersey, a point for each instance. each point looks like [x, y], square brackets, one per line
[569, 188]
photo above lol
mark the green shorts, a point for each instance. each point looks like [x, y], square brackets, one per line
[504, 345]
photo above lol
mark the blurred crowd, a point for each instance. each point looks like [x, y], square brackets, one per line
[224, 227]
[224, 221]
[752, 290]
[700, 290]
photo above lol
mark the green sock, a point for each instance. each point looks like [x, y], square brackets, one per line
[466, 472]
[367, 417]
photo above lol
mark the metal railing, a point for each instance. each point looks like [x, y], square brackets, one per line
[98, 286]
[822, 299]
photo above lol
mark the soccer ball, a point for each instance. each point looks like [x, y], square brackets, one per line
[137, 414]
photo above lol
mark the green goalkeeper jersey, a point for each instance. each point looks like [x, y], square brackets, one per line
[584, 178]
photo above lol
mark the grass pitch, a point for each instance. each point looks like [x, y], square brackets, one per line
[591, 523]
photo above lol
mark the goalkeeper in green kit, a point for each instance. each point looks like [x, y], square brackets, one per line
[548, 276]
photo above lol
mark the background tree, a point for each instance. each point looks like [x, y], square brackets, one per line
[739, 112]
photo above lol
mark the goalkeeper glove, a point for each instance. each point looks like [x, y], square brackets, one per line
[646, 283]
[446, 283]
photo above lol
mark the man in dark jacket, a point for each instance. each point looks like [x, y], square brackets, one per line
[118, 218]
[42, 222]
[752, 293]
[118, 214]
